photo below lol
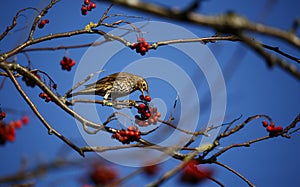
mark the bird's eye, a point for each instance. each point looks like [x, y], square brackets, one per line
[144, 84]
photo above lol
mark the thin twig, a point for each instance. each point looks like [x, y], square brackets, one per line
[277, 50]
[105, 14]
[14, 22]
[271, 59]
[39, 17]
[245, 144]
[235, 172]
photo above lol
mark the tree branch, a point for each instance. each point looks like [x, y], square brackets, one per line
[38, 114]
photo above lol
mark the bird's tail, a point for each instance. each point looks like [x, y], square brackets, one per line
[82, 92]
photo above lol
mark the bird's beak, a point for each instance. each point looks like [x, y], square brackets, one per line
[147, 91]
[143, 92]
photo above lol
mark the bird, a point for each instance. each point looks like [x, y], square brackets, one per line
[114, 86]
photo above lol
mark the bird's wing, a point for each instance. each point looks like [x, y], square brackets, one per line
[112, 78]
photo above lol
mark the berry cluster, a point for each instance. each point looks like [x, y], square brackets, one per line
[102, 175]
[42, 23]
[87, 6]
[29, 82]
[2, 115]
[193, 174]
[8, 131]
[141, 47]
[271, 128]
[126, 136]
[45, 97]
[143, 109]
[153, 114]
[148, 115]
[67, 63]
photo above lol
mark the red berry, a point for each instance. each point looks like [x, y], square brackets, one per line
[72, 63]
[141, 97]
[145, 44]
[265, 123]
[148, 115]
[54, 86]
[17, 124]
[89, 8]
[137, 132]
[151, 120]
[155, 119]
[151, 170]
[93, 5]
[84, 13]
[140, 123]
[135, 45]
[146, 123]
[131, 133]
[153, 110]
[140, 40]
[143, 49]
[10, 133]
[140, 45]
[122, 132]
[86, 2]
[84, 10]
[65, 59]
[279, 129]
[130, 128]
[25, 120]
[127, 133]
[141, 110]
[125, 139]
[42, 95]
[43, 23]
[141, 106]
[47, 99]
[147, 98]
[40, 25]
[2, 115]
[270, 128]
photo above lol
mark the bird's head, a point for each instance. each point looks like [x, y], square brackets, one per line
[143, 86]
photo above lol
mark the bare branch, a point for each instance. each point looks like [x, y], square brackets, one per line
[59, 102]
[39, 17]
[271, 59]
[38, 114]
[14, 22]
[226, 23]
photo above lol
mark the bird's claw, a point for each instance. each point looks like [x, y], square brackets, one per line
[106, 103]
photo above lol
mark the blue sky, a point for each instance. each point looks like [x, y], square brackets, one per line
[252, 88]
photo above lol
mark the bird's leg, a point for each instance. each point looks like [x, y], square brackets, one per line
[105, 100]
